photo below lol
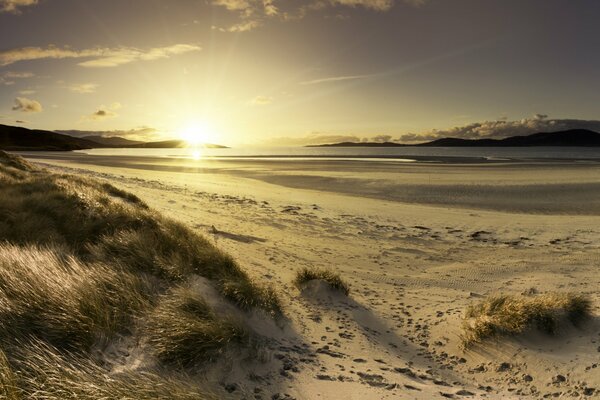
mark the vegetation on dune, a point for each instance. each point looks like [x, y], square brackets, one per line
[100, 223]
[184, 331]
[57, 298]
[507, 315]
[333, 279]
[82, 262]
[42, 372]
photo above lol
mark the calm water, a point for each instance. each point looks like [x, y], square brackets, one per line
[406, 154]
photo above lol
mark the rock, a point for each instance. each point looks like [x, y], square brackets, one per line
[527, 378]
[558, 379]
[464, 392]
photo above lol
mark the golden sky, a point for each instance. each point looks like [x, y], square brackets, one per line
[296, 72]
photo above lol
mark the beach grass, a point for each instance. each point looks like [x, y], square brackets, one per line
[510, 315]
[184, 331]
[84, 264]
[333, 279]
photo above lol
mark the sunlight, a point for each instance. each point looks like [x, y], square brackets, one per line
[197, 133]
[196, 154]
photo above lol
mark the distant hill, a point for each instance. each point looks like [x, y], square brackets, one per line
[568, 138]
[114, 141]
[361, 144]
[170, 144]
[16, 138]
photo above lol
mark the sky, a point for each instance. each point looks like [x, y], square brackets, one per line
[294, 72]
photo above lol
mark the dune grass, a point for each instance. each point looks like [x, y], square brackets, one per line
[45, 373]
[70, 304]
[508, 315]
[184, 331]
[83, 263]
[333, 279]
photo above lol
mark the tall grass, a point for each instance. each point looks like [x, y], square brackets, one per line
[506, 315]
[333, 279]
[83, 263]
[45, 373]
[184, 331]
[54, 296]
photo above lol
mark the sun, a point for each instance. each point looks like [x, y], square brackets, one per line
[197, 133]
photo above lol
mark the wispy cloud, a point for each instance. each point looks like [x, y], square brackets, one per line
[8, 78]
[27, 105]
[84, 88]
[261, 100]
[378, 5]
[254, 13]
[335, 79]
[14, 6]
[100, 57]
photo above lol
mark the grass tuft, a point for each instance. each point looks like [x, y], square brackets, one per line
[333, 279]
[507, 315]
[16, 162]
[185, 332]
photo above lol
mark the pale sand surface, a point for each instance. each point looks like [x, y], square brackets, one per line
[417, 245]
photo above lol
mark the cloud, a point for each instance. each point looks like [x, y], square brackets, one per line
[334, 79]
[378, 5]
[261, 100]
[104, 112]
[501, 128]
[27, 92]
[8, 78]
[244, 26]
[13, 6]
[100, 57]
[83, 88]
[253, 13]
[26, 105]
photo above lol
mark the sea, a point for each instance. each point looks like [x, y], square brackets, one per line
[399, 154]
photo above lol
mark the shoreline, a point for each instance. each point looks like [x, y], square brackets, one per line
[542, 188]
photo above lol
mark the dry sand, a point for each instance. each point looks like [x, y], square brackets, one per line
[417, 242]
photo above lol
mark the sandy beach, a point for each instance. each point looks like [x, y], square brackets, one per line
[416, 242]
